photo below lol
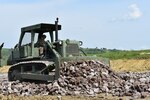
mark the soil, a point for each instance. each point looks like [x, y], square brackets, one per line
[131, 65]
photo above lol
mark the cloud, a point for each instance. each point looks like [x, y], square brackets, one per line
[133, 13]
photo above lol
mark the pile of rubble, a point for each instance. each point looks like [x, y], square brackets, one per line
[136, 84]
[85, 78]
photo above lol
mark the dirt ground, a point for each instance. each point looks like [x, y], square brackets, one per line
[130, 65]
[98, 97]
[4, 69]
[116, 65]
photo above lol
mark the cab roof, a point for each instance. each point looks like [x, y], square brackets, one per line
[40, 28]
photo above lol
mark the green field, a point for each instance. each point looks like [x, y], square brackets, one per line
[114, 54]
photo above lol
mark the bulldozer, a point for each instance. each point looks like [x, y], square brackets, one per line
[30, 60]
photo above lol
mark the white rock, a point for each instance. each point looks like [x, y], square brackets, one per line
[84, 64]
[72, 68]
[96, 90]
[131, 81]
[90, 92]
[76, 92]
[95, 84]
[142, 79]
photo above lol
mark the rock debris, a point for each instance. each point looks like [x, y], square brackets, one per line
[84, 78]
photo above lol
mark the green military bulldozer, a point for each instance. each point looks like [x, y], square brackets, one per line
[30, 60]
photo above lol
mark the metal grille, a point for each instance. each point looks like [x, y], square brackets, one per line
[72, 49]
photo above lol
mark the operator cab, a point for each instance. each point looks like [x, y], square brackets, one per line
[30, 35]
[33, 38]
[28, 47]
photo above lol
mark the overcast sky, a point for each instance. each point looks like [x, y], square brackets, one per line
[120, 24]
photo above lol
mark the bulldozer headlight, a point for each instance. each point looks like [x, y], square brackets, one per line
[81, 43]
[60, 42]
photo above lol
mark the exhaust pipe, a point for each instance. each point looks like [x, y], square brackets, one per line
[1, 53]
[1, 50]
[56, 29]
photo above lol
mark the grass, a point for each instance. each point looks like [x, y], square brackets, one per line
[122, 54]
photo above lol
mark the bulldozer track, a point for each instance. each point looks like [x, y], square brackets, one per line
[33, 62]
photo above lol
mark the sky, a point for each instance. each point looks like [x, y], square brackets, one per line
[112, 24]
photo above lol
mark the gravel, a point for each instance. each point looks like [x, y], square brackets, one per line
[84, 78]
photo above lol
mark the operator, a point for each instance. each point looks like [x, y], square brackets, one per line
[41, 44]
